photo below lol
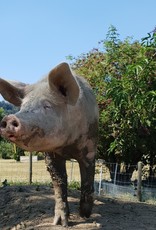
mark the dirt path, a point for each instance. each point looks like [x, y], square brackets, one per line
[31, 208]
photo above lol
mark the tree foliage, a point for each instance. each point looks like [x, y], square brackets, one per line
[123, 77]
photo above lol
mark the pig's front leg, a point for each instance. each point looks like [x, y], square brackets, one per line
[56, 167]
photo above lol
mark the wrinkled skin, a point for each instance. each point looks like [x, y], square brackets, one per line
[59, 116]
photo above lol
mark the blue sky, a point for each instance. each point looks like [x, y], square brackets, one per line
[36, 35]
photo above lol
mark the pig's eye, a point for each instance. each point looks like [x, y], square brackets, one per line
[47, 105]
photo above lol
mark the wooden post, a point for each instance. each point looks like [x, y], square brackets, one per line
[71, 172]
[139, 182]
[30, 168]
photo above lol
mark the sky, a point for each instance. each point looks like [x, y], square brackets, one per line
[36, 35]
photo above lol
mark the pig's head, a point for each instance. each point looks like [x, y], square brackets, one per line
[45, 107]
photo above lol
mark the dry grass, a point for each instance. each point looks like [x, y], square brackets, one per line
[19, 171]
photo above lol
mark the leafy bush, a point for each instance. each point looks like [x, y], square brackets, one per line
[74, 185]
[6, 150]
[18, 152]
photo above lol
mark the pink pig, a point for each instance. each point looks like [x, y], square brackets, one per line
[58, 116]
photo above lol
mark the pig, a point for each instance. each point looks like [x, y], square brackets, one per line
[58, 116]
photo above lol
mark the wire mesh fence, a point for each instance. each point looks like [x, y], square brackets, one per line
[111, 179]
[118, 180]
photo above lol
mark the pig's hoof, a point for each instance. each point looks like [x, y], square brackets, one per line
[58, 219]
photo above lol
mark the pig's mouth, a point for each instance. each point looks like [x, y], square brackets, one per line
[25, 140]
[9, 136]
[12, 138]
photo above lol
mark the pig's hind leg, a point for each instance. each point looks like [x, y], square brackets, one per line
[57, 169]
[87, 170]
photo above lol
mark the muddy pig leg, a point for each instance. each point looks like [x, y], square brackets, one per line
[87, 170]
[57, 169]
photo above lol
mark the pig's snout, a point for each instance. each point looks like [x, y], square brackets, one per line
[9, 121]
[10, 127]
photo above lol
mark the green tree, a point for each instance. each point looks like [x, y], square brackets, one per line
[122, 75]
[133, 93]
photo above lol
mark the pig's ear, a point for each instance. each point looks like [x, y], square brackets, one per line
[12, 92]
[62, 78]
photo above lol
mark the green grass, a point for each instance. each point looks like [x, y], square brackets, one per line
[18, 172]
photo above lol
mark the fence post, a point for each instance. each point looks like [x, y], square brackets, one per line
[115, 173]
[30, 167]
[100, 180]
[139, 182]
[115, 176]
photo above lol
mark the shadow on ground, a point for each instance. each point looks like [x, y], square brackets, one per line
[31, 207]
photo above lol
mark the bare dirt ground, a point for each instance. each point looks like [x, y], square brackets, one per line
[31, 208]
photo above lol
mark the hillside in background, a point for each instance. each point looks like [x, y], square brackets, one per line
[8, 108]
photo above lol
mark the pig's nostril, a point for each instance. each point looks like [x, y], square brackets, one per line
[15, 123]
[9, 122]
[3, 124]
